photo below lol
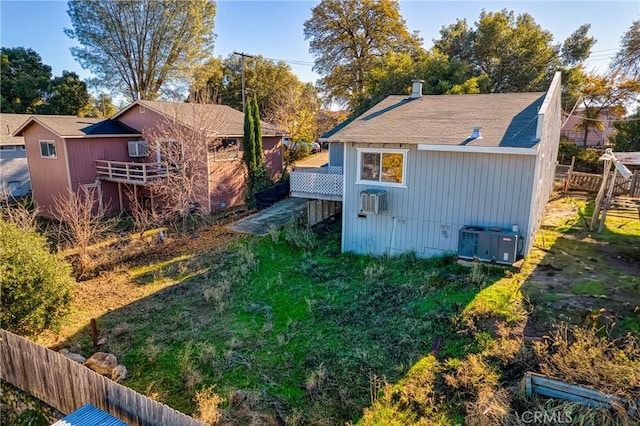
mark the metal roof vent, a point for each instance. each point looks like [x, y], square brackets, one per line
[476, 133]
[416, 91]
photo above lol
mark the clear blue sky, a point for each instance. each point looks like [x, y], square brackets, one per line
[274, 29]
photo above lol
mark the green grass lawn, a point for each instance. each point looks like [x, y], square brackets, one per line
[308, 331]
[319, 337]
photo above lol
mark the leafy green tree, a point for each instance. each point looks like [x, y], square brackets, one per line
[142, 47]
[602, 93]
[36, 284]
[628, 58]
[514, 52]
[25, 80]
[296, 112]
[577, 47]
[627, 136]
[249, 140]
[220, 81]
[257, 132]
[102, 106]
[66, 95]
[347, 37]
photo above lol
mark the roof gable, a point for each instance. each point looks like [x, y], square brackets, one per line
[67, 126]
[215, 119]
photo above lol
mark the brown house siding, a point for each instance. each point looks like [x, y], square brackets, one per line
[82, 166]
[49, 177]
[272, 147]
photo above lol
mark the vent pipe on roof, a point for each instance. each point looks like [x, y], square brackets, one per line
[416, 91]
[476, 133]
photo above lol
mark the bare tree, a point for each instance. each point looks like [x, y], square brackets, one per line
[23, 215]
[183, 143]
[143, 217]
[82, 221]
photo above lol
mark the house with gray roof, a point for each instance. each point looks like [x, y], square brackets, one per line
[14, 168]
[120, 158]
[432, 175]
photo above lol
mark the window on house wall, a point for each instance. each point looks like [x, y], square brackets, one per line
[48, 149]
[227, 149]
[23, 148]
[7, 148]
[387, 167]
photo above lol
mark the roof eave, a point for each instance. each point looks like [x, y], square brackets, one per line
[20, 130]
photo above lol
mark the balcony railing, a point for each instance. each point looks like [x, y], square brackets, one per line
[127, 172]
[323, 183]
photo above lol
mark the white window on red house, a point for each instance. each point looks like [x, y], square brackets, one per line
[48, 149]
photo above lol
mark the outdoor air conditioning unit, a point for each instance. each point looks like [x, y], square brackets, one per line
[138, 149]
[488, 244]
[373, 201]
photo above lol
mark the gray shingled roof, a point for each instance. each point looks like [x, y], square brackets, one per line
[9, 124]
[506, 120]
[218, 120]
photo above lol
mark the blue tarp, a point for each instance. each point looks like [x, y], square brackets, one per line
[89, 415]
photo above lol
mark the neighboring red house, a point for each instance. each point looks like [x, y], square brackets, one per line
[572, 132]
[117, 155]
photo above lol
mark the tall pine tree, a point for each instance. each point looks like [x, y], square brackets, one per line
[257, 132]
[249, 139]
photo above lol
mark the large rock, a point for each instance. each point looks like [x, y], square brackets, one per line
[119, 373]
[75, 357]
[102, 363]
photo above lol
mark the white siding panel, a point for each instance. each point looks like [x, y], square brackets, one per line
[445, 191]
[549, 124]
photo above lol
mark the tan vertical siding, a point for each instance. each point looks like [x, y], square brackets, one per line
[82, 167]
[272, 148]
[445, 191]
[49, 176]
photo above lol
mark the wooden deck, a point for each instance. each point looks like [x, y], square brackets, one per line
[129, 172]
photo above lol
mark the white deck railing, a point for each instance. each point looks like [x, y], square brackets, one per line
[324, 183]
[127, 172]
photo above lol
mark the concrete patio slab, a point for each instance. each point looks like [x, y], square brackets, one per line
[272, 217]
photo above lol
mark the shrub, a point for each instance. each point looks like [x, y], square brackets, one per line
[586, 158]
[36, 284]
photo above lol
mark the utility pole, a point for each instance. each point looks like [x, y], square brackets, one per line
[243, 55]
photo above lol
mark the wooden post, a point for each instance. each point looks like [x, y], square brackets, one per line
[94, 334]
[120, 196]
[607, 200]
[598, 202]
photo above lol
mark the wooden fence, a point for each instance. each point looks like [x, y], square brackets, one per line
[591, 183]
[66, 385]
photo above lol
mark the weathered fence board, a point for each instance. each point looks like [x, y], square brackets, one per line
[66, 385]
[592, 182]
[546, 386]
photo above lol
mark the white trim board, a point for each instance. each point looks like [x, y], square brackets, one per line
[478, 149]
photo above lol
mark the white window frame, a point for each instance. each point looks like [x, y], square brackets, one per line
[23, 148]
[361, 151]
[54, 149]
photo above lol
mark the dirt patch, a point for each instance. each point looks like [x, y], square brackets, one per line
[122, 276]
[581, 276]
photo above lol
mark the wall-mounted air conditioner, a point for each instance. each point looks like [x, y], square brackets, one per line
[138, 149]
[488, 244]
[373, 201]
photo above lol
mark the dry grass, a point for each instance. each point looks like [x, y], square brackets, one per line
[579, 355]
[208, 403]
